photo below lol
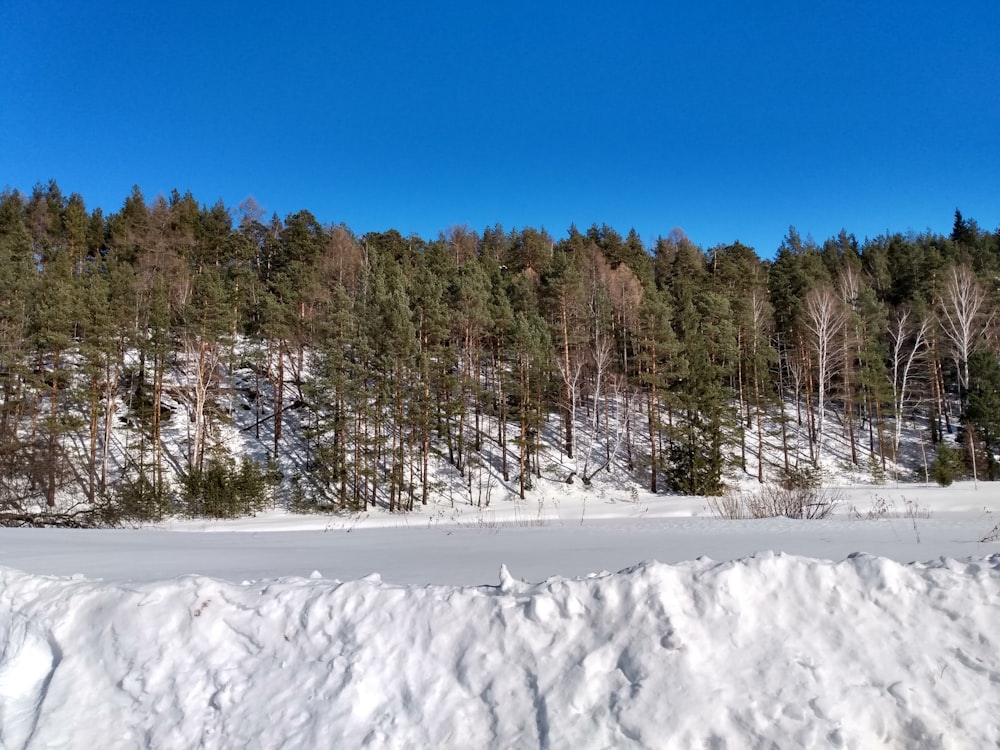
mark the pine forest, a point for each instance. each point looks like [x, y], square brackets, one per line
[176, 358]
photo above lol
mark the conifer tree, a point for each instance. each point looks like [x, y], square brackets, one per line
[703, 325]
[741, 278]
[660, 365]
[501, 336]
[563, 290]
[470, 295]
[101, 367]
[982, 411]
[534, 348]
[18, 280]
[54, 314]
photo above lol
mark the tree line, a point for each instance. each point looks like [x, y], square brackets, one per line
[130, 343]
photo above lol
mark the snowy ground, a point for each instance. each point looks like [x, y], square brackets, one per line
[270, 632]
[569, 533]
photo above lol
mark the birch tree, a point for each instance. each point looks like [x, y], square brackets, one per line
[962, 318]
[908, 337]
[823, 318]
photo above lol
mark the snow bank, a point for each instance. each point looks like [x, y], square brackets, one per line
[770, 651]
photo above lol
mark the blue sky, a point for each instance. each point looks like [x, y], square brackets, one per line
[728, 119]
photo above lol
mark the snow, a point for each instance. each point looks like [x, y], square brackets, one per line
[766, 651]
[500, 627]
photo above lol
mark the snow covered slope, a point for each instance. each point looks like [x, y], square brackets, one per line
[769, 651]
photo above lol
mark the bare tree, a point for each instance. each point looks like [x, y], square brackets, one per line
[759, 315]
[963, 321]
[570, 366]
[824, 318]
[203, 357]
[599, 450]
[908, 336]
[849, 286]
[962, 317]
[590, 442]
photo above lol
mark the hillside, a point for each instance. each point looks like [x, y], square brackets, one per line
[178, 359]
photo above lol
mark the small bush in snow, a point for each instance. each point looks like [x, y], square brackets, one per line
[773, 501]
[947, 465]
[224, 490]
[993, 536]
[881, 508]
[729, 506]
[137, 499]
[876, 469]
[801, 478]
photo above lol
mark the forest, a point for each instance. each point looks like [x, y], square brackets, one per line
[133, 346]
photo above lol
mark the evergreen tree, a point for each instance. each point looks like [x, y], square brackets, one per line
[54, 314]
[700, 433]
[660, 365]
[18, 281]
[534, 349]
[982, 411]
[563, 292]
[740, 277]
[102, 356]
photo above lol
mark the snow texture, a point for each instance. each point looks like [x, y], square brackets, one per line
[768, 651]
[286, 639]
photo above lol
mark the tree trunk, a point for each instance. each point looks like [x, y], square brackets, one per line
[279, 397]
[653, 420]
[53, 441]
[569, 395]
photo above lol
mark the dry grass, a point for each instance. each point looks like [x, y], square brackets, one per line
[774, 501]
[993, 536]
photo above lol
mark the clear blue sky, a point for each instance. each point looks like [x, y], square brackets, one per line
[728, 119]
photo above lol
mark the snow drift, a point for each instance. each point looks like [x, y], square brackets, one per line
[769, 651]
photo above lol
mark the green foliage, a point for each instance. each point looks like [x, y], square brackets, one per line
[386, 351]
[703, 429]
[136, 499]
[223, 489]
[801, 478]
[982, 412]
[691, 471]
[947, 465]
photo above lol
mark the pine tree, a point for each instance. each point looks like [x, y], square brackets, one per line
[436, 393]
[332, 391]
[470, 295]
[703, 325]
[659, 366]
[54, 314]
[741, 278]
[392, 329]
[533, 349]
[982, 411]
[101, 368]
[18, 280]
[563, 291]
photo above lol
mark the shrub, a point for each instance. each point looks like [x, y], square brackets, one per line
[876, 469]
[947, 464]
[773, 501]
[730, 506]
[801, 478]
[223, 490]
[136, 499]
